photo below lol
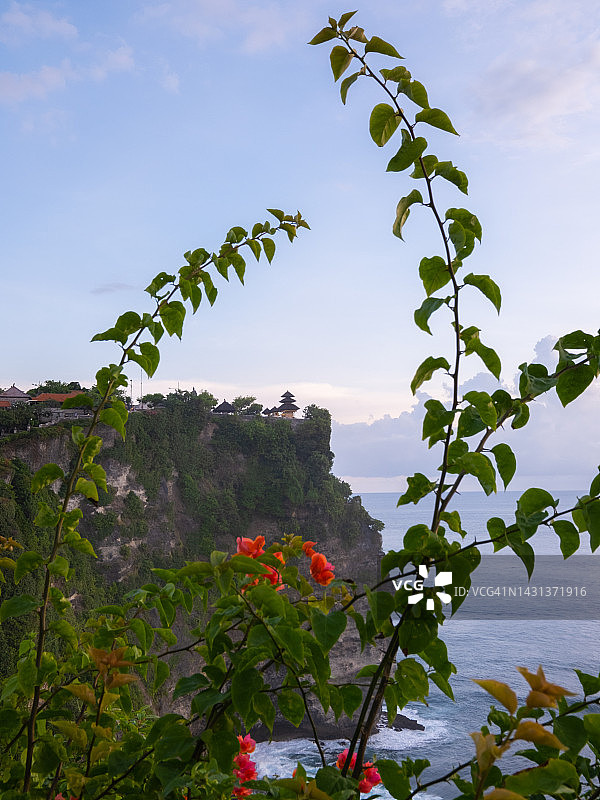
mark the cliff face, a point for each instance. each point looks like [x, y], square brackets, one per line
[185, 482]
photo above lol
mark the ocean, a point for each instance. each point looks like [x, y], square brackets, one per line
[480, 648]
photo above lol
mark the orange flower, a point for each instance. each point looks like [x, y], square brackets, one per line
[308, 549]
[250, 547]
[274, 577]
[321, 569]
[542, 694]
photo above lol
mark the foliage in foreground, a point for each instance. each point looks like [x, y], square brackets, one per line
[261, 630]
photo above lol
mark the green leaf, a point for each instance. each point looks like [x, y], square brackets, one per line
[79, 401]
[97, 473]
[161, 673]
[110, 335]
[377, 45]
[573, 382]
[45, 476]
[87, 488]
[589, 683]
[437, 118]
[434, 273]
[469, 423]
[415, 91]
[324, 35]
[485, 407]
[408, 153]
[269, 248]
[394, 778]
[427, 308]
[129, 322]
[383, 123]
[447, 170]
[534, 380]
[265, 709]
[571, 732]
[487, 287]
[17, 606]
[436, 419]
[505, 462]
[382, 605]
[172, 315]
[111, 417]
[152, 354]
[327, 627]
[534, 500]
[340, 59]
[60, 567]
[352, 698]
[568, 535]
[346, 17]
[468, 220]
[26, 563]
[247, 565]
[291, 706]
[490, 358]
[426, 369]
[161, 280]
[66, 631]
[419, 486]
[481, 467]
[245, 684]
[543, 780]
[403, 210]
[346, 84]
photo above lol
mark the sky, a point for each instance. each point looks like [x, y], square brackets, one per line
[134, 131]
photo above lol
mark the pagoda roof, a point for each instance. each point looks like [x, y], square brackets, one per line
[288, 407]
[16, 393]
[224, 408]
[287, 394]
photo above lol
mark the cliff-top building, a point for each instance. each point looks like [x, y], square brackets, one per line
[287, 407]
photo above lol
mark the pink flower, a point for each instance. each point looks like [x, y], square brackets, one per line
[247, 744]
[364, 786]
[341, 759]
[372, 774]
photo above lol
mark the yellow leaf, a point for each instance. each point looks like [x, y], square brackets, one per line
[83, 691]
[536, 733]
[502, 794]
[72, 731]
[116, 679]
[100, 732]
[107, 700]
[501, 692]
[537, 699]
[539, 683]
[102, 750]
[75, 781]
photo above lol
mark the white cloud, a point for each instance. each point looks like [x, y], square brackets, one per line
[119, 60]
[22, 22]
[37, 85]
[261, 25]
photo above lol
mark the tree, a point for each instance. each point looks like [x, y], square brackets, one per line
[55, 387]
[153, 399]
[246, 405]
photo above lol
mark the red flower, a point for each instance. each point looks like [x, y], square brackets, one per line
[242, 791]
[321, 569]
[247, 744]
[307, 547]
[250, 547]
[341, 759]
[364, 786]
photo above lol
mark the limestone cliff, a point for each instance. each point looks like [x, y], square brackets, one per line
[185, 482]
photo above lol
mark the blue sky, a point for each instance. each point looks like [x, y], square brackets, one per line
[134, 131]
